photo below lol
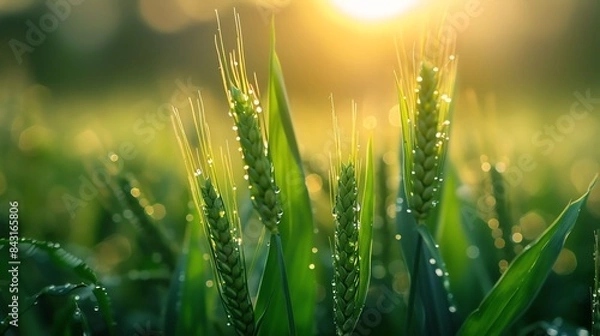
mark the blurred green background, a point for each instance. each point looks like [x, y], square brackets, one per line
[88, 99]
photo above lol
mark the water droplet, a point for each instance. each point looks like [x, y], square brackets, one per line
[432, 261]
[76, 298]
[96, 308]
[314, 250]
[452, 309]
[439, 272]
[398, 237]
[311, 266]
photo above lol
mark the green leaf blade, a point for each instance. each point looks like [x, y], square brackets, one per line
[365, 234]
[521, 282]
[297, 224]
[435, 310]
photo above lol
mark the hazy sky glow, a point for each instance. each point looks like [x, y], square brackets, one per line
[374, 9]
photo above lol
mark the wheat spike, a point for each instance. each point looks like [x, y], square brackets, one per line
[346, 210]
[259, 168]
[220, 225]
[425, 109]
[246, 112]
[346, 257]
[425, 159]
[228, 261]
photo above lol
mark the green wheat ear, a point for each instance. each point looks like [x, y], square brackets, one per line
[228, 260]
[425, 96]
[247, 115]
[220, 221]
[346, 255]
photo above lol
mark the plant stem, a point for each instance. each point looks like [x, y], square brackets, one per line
[285, 286]
[413, 284]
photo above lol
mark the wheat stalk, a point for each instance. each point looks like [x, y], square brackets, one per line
[346, 257]
[220, 225]
[244, 107]
[247, 115]
[425, 93]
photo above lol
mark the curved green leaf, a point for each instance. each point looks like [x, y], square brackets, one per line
[296, 227]
[521, 282]
[31, 248]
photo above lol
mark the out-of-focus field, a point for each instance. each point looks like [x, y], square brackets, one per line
[91, 100]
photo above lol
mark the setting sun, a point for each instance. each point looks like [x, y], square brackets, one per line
[371, 10]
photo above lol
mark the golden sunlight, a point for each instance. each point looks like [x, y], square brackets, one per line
[371, 10]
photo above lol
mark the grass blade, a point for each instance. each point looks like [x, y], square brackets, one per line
[521, 282]
[296, 227]
[365, 233]
[596, 289]
[452, 234]
[285, 284]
